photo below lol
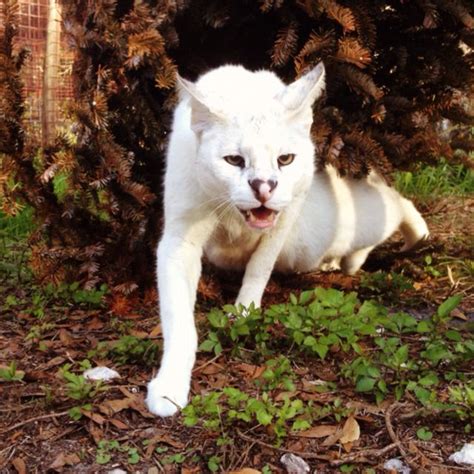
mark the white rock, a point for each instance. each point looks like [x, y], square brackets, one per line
[294, 464]
[117, 471]
[101, 373]
[465, 456]
[395, 464]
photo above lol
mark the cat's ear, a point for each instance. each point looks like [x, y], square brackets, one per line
[302, 93]
[201, 115]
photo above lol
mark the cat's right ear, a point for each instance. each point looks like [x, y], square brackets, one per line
[201, 115]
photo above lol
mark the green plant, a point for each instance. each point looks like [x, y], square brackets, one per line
[127, 349]
[218, 410]
[106, 448]
[387, 285]
[10, 374]
[77, 386]
[277, 374]
[430, 182]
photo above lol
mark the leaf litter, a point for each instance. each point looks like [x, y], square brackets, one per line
[43, 427]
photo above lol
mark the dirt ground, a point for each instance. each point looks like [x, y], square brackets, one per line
[38, 434]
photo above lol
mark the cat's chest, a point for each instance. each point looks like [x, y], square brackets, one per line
[231, 245]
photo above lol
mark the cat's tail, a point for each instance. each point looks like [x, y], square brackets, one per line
[413, 226]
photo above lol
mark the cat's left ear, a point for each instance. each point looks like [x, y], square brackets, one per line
[201, 115]
[302, 93]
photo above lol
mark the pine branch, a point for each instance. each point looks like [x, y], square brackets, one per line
[343, 15]
[317, 45]
[350, 50]
[285, 45]
[359, 81]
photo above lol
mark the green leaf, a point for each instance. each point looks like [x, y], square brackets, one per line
[423, 326]
[446, 307]
[365, 384]
[430, 379]
[453, 335]
[207, 345]
[263, 417]
[422, 394]
[424, 434]
[102, 457]
[321, 350]
[213, 463]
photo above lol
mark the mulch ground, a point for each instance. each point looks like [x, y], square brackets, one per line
[38, 435]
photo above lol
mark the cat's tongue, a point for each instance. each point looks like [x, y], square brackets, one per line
[260, 217]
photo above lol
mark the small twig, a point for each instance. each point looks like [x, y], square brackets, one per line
[197, 369]
[179, 407]
[393, 435]
[302, 454]
[32, 420]
[366, 456]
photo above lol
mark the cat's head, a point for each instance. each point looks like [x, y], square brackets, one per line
[254, 151]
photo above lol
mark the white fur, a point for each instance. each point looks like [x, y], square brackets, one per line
[321, 217]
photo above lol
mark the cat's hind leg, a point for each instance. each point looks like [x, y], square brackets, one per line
[413, 226]
[351, 263]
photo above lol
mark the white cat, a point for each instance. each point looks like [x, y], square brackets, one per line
[241, 186]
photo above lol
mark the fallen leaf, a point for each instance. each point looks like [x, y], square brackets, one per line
[55, 361]
[95, 324]
[155, 332]
[252, 371]
[350, 431]
[110, 407]
[212, 369]
[246, 470]
[99, 419]
[62, 460]
[318, 431]
[19, 465]
[119, 424]
[65, 337]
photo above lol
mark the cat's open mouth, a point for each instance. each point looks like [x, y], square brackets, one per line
[260, 217]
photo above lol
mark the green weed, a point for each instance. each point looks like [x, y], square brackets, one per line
[389, 355]
[107, 448]
[431, 182]
[127, 349]
[77, 386]
[10, 374]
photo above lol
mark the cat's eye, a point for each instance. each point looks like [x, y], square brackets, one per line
[285, 160]
[235, 160]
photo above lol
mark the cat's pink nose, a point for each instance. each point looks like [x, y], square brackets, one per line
[263, 189]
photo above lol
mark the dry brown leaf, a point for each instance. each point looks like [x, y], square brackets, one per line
[119, 424]
[350, 431]
[65, 337]
[155, 332]
[19, 465]
[320, 431]
[246, 470]
[99, 419]
[110, 407]
[62, 460]
[252, 371]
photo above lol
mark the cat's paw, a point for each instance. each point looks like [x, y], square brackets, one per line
[165, 398]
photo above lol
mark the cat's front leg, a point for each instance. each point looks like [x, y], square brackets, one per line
[261, 263]
[179, 269]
